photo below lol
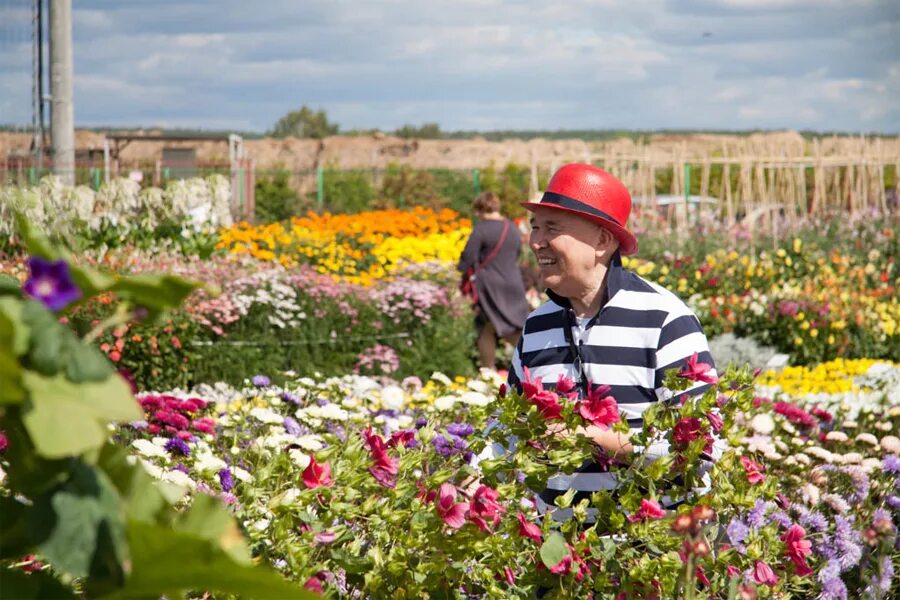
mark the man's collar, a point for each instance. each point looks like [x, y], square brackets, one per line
[614, 281]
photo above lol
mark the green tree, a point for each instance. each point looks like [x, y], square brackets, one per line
[304, 123]
[428, 131]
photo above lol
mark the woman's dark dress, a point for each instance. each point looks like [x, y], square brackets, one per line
[501, 293]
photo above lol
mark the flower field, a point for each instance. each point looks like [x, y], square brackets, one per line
[308, 417]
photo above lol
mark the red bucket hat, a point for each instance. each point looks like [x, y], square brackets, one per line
[591, 193]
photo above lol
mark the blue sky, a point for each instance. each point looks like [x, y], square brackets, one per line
[476, 64]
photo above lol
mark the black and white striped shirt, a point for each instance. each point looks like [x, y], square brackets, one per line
[641, 331]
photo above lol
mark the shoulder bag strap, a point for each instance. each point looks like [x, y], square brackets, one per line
[496, 248]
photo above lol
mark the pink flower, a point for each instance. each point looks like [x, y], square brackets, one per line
[698, 371]
[204, 425]
[563, 566]
[315, 475]
[528, 530]
[547, 401]
[484, 508]
[314, 584]
[510, 576]
[325, 537]
[386, 467]
[797, 549]
[715, 421]
[688, 429]
[566, 387]
[733, 571]
[754, 471]
[404, 437]
[599, 409]
[452, 512]
[763, 574]
[650, 509]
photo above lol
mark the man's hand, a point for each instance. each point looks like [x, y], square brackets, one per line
[618, 445]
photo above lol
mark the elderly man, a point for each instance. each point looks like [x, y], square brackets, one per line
[603, 324]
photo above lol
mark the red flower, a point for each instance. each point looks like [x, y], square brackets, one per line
[688, 429]
[204, 424]
[566, 387]
[404, 437]
[797, 549]
[528, 530]
[563, 566]
[763, 574]
[698, 371]
[754, 471]
[650, 509]
[316, 475]
[4, 442]
[700, 574]
[452, 512]
[715, 421]
[547, 401]
[510, 576]
[794, 414]
[314, 584]
[599, 409]
[386, 467]
[484, 508]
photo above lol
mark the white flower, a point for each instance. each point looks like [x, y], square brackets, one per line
[261, 525]
[266, 415]
[802, 458]
[890, 444]
[300, 459]
[179, 479]
[867, 438]
[478, 386]
[851, 458]
[836, 436]
[870, 464]
[440, 377]
[837, 504]
[207, 462]
[393, 397]
[820, 453]
[154, 471]
[474, 398]
[445, 402]
[763, 423]
[149, 449]
[241, 474]
[810, 494]
[309, 442]
[329, 411]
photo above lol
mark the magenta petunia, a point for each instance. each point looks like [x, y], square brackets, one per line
[452, 512]
[650, 509]
[598, 408]
[51, 283]
[698, 371]
[316, 475]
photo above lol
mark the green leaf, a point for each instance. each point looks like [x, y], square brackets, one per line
[140, 494]
[209, 520]
[168, 562]
[156, 293]
[28, 473]
[54, 348]
[65, 418]
[17, 334]
[553, 550]
[42, 585]
[78, 526]
[11, 389]
[9, 286]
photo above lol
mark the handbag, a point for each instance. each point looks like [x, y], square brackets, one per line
[467, 282]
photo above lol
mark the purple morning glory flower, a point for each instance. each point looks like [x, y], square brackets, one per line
[261, 381]
[178, 446]
[226, 480]
[51, 283]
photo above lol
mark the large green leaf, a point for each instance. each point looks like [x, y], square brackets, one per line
[18, 332]
[79, 526]
[9, 286]
[553, 550]
[140, 493]
[11, 390]
[168, 562]
[65, 418]
[55, 348]
[25, 586]
[28, 473]
[156, 293]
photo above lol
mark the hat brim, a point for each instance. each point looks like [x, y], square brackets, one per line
[628, 244]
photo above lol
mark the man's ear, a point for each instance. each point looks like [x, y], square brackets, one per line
[606, 243]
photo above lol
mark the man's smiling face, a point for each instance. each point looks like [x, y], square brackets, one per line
[566, 247]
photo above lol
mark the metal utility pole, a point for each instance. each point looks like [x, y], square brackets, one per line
[62, 116]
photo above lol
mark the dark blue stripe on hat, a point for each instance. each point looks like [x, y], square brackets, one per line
[573, 204]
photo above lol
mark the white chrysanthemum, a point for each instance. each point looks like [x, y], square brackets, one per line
[149, 449]
[441, 378]
[820, 453]
[151, 469]
[445, 402]
[393, 397]
[266, 415]
[802, 459]
[299, 458]
[309, 442]
[837, 504]
[851, 458]
[178, 478]
[763, 423]
[241, 474]
[478, 386]
[330, 411]
[207, 462]
[867, 438]
[474, 399]
[836, 436]
[870, 464]
[810, 494]
[890, 444]
[261, 525]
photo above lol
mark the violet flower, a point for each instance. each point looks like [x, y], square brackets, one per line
[226, 480]
[261, 381]
[178, 446]
[51, 283]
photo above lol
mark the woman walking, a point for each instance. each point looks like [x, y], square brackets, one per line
[491, 260]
